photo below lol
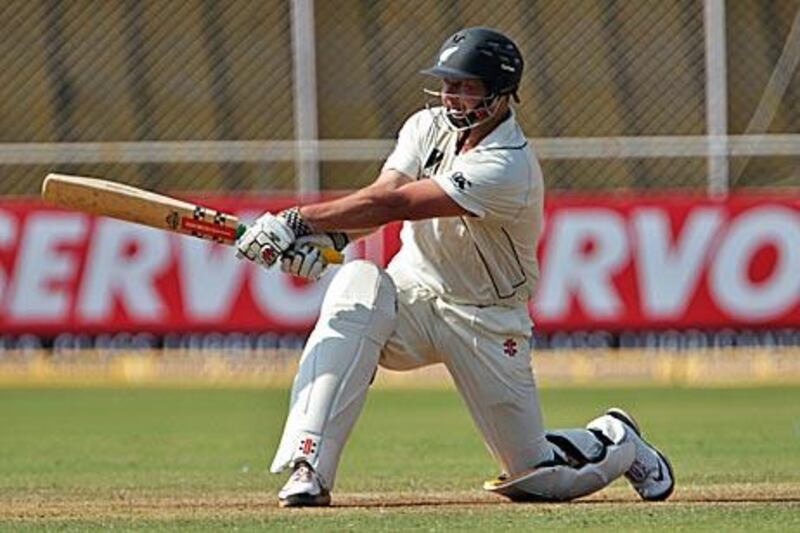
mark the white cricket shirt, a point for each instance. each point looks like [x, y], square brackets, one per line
[488, 258]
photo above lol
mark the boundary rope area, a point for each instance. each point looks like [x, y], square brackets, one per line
[734, 367]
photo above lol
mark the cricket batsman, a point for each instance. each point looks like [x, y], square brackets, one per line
[469, 189]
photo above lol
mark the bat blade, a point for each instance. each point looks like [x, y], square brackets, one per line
[124, 202]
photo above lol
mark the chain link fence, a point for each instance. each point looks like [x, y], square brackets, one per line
[764, 85]
[200, 95]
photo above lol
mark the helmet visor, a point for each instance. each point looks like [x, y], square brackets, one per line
[441, 71]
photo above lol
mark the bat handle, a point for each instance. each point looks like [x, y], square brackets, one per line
[332, 256]
[240, 229]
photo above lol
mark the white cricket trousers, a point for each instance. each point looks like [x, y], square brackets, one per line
[487, 352]
[369, 319]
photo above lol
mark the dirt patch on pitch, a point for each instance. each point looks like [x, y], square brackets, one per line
[48, 506]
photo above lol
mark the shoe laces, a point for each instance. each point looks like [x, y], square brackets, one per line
[303, 473]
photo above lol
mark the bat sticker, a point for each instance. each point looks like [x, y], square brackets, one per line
[173, 220]
[208, 230]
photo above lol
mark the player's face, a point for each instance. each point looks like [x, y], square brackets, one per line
[462, 96]
[465, 103]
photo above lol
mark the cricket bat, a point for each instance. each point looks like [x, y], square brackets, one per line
[123, 202]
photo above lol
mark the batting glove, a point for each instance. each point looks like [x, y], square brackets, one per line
[270, 236]
[305, 258]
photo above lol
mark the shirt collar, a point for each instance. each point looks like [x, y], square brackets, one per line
[505, 134]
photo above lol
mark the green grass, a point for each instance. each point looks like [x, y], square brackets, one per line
[197, 460]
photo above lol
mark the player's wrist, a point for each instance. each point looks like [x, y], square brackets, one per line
[294, 221]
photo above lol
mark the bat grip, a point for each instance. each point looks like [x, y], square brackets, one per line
[332, 256]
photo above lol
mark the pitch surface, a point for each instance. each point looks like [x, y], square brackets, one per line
[196, 459]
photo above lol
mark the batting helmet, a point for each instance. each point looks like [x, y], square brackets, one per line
[484, 54]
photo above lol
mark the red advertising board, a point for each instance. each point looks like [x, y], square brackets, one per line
[606, 263]
[670, 261]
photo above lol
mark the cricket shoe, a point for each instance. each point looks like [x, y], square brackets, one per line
[304, 489]
[650, 474]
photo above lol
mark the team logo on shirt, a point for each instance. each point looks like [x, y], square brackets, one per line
[432, 163]
[460, 181]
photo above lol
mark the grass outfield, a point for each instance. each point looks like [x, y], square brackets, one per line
[197, 460]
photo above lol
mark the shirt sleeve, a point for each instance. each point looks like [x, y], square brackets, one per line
[489, 186]
[407, 156]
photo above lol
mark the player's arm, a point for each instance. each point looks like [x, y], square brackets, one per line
[388, 180]
[394, 196]
[379, 204]
[273, 235]
[299, 234]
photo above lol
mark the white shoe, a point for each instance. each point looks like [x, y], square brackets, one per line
[304, 489]
[650, 474]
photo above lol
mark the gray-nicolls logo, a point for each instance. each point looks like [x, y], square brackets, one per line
[460, 181]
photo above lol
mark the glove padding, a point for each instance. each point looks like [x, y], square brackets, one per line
[305, 259]
[265, 241]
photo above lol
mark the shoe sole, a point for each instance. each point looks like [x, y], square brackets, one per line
[306, 500]
[629, 421]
